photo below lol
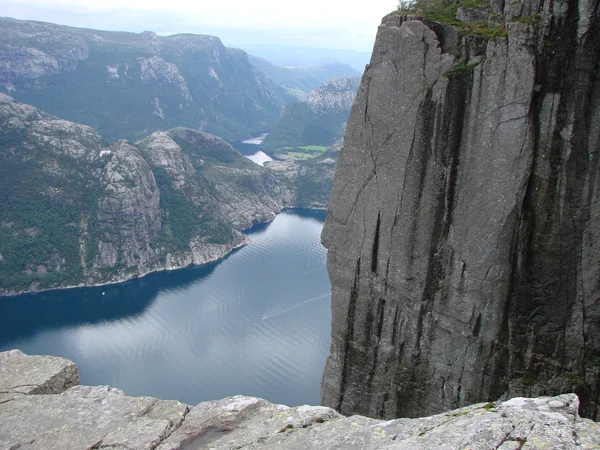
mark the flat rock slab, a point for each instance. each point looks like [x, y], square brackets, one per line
[87, 417]
[542, 423]
[21, 374]
[242, 422]
[100, 417]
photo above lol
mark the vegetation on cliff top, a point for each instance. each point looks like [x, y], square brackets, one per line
[446, 12]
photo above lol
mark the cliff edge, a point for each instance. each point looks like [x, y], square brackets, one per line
[463, 227]
[58, 414]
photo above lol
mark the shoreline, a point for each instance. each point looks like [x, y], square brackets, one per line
[165, 268]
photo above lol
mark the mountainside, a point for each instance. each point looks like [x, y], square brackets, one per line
[463, 229]
[299, 81]
[76, 210]
[318, 120]
[127, 85]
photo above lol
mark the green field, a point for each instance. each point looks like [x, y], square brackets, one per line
[300, 152]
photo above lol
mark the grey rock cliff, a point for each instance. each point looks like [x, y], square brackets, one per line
[463, 225]
[103, 417]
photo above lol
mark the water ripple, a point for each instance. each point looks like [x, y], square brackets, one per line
[256, 323]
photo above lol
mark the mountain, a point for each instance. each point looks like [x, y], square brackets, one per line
[76, 210]
[317, 121]
[299, 81]
[127, 85]
[463, 230]
[290, 56]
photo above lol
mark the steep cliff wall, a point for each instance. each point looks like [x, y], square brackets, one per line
[463, 227]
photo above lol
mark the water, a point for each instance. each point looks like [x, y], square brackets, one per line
[259, 158]
[255, 140]
[256, 323]
[248, 149]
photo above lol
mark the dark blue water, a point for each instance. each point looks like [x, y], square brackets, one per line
[256, 323]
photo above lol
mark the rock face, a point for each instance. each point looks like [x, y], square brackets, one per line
[463, 226]
[129, 84]
[103, 417]
[336, 95]
[91, 213]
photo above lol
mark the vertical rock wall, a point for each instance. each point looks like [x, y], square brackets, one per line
[463, 227]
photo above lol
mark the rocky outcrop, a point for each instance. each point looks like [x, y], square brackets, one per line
[57, 51]
[128, 211]
[93, 213]
[337, 94]
[103, 417]
[462, 228]
[21, 374]
[308, 182]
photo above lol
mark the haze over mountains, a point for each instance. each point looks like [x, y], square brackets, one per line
[126, 85]
[317, 120]
[288, 56]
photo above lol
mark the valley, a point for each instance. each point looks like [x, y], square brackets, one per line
[164, 198]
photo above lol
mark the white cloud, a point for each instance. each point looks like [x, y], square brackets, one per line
[354, 22]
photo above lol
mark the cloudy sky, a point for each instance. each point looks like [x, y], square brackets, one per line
[339, 24]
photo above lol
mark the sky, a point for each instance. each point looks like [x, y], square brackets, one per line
[336, 24]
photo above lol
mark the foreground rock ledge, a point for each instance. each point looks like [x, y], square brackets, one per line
[100, 417]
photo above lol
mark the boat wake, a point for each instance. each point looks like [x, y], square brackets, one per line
[269, 316]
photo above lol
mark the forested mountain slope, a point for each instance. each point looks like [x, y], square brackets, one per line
[77, 210]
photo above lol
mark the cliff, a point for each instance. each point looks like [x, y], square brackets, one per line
[463, 225]
[42, 407]
[75, 210]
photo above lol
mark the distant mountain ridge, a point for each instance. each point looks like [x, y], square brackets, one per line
[298, 81]
[127, 85]
[290, 56]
